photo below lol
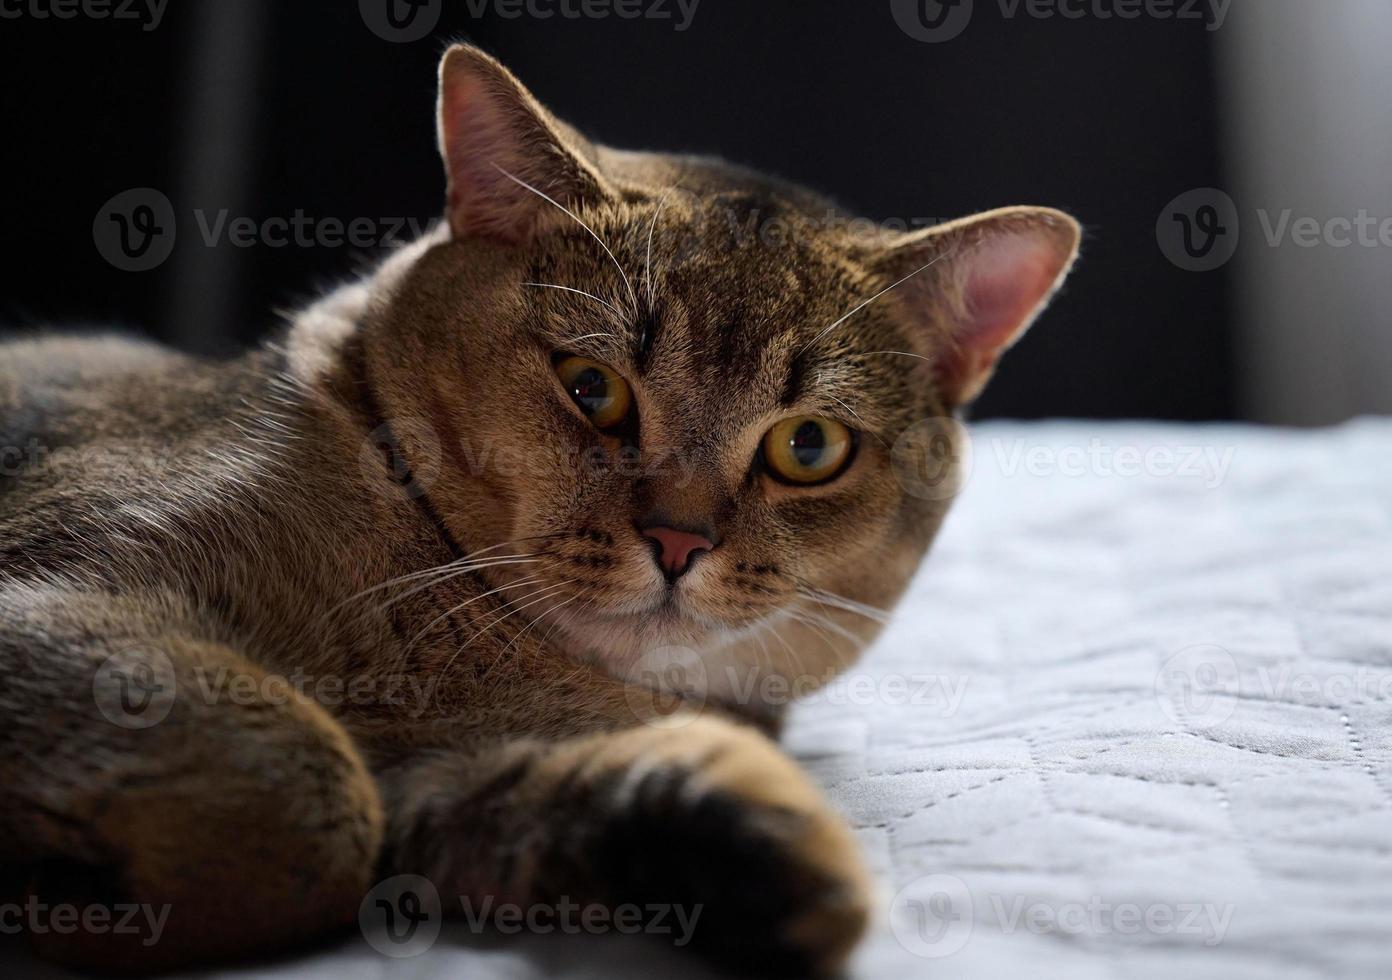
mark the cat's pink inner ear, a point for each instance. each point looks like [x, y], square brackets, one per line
[495, 138]
[472, 138]
[1004, 279]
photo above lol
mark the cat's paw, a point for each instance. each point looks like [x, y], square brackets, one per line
[713, 815]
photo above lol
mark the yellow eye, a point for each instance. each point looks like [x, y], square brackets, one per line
[807, 450]
[601, 394]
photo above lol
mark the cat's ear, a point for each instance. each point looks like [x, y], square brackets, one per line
[495, 137]
[974, 286]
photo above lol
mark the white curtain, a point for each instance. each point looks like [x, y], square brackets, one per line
[1308, 114]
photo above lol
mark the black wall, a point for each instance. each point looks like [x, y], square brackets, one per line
[267, 108]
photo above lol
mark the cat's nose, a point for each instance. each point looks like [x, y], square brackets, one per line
[676, 548]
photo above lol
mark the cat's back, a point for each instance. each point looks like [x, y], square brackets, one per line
[83, 418]
[74, 389]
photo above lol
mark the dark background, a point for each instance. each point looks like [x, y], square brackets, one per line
[267, 107]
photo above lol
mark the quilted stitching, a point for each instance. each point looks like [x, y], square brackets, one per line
[1076, 772]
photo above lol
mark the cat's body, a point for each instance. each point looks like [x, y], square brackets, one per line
[212, 530]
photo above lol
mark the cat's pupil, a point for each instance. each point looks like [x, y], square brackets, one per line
[808, 443]
[591, 389]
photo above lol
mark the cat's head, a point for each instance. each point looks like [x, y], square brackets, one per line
[683, 403]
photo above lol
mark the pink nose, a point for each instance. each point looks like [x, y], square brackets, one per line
[677, 547]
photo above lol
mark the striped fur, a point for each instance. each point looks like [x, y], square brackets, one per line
[396, 499]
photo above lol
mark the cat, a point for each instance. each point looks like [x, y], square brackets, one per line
[399, 593]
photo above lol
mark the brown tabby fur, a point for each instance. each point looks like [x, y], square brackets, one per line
[265, 516]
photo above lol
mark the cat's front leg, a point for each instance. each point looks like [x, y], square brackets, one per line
[699, 814]
[162, 784]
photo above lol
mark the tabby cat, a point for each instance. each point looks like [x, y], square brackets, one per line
[400, 592]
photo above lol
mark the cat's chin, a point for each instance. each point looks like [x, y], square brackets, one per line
[625, 635]
[648, 636]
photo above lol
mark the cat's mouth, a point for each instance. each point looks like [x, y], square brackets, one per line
[669, 606]
[603, 596]
[668, 615]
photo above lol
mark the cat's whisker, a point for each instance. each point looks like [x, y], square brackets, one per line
[864, 426]
[900, 353]
[579, 292]
[873, 613]
[572, 344]
[763, 649]
[535, 620]
[406, 648]
[836, 627]
[455, 573]
[541, 592]
[489, 626]
[448, 566]
[647, 265]
[793, 655]
[409, 645]
[872, 299]
[798, 617]
[468, 602]
[436, 571]
[593, 233]
[420, 573]
[592, 336]
[566, 618]
[557, 624]
[548, 594]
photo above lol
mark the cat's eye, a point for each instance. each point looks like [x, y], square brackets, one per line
[596, 389]
[807, 449]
